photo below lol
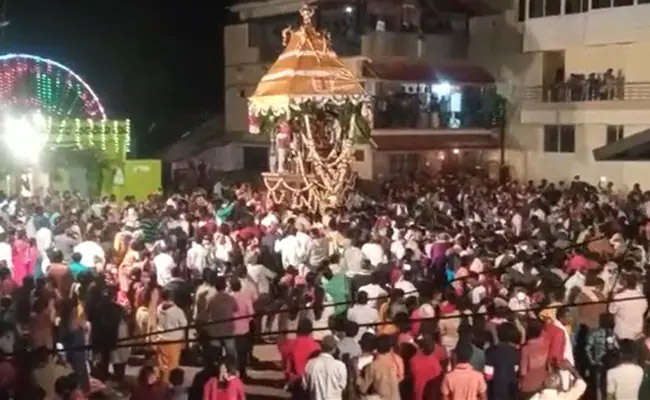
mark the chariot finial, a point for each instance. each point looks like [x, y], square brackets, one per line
[307, 13]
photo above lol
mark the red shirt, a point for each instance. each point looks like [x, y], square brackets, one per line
[555, 340]
[299, 350]
[533, 365]
[424, 368]
[233, 391]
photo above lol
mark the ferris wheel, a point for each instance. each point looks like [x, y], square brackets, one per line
[31, 83]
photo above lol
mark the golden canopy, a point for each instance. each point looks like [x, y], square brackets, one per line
[307, 69]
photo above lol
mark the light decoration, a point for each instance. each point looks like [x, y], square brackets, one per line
[103, 137]
[77, 133]
[441, 89]
[25, 136]
[91, 132]
[28, 82]
[127, 137]
[81, 134]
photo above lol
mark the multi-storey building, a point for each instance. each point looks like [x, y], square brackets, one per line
[432, 107]
[577, 76]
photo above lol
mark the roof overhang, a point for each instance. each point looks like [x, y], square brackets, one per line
[630, 148]
[423, 140]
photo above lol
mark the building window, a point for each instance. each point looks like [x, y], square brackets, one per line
[535, 8]
[552, 7]
[622, 3]
[559, 138]
[567, 139]
[522, 10]
[601, 3]
[575, 6]
[614, 133]
[359, 156]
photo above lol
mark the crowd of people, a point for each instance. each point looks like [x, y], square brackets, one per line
[445, 287]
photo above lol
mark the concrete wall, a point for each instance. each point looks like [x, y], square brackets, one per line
[433, 48]
[594, 28]
[613, 113]
[364, 169]
[242, 73]
[531, 162]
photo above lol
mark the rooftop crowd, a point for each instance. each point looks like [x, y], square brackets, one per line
[446, 287]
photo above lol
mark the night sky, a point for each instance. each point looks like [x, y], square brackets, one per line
[156, 62]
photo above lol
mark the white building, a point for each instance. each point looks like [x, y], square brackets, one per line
[562, 121]
[401, 68]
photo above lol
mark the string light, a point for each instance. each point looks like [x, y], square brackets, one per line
[91, 131]
[127, 137]
[77, 132]
[103, 135]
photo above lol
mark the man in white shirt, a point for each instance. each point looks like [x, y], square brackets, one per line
[5, 252]
[325, 377]
[163, 263]
[552, 388]
[628, 314]
[362, 313]
[258, 273]
[374, 289]
[197, 256]
[289, 249]
[92, 254]
[624, 381]
[373, 252]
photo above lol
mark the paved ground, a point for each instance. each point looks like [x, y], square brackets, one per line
[266, 379]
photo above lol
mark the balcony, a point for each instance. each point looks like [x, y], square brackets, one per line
[470, 108]
[584, 91]
[587, 103]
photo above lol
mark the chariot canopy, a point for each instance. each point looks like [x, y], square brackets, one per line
[307, 69]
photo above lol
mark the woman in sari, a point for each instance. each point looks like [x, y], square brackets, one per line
[21, 250]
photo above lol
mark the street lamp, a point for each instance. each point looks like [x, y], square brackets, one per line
[25, 137]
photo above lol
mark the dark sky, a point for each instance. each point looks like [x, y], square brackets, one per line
[152, 61]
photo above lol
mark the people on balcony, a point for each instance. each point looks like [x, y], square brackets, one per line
[588, 87]
[405, 110]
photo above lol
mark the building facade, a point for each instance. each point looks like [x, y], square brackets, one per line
[432, 107]
[576, 75]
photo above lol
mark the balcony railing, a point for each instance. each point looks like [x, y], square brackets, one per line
[566, 92]
[409, 112]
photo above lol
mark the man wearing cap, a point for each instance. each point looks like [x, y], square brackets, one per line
[325, 377]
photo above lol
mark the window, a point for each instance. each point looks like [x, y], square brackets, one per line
[574, 6]
[614, 133]
[601, 3]
[522, 10]
[536, 8]
[359, 156]
[559, 138]
[622, 3]
[567, 139]
[552, 7]
[551, 138]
